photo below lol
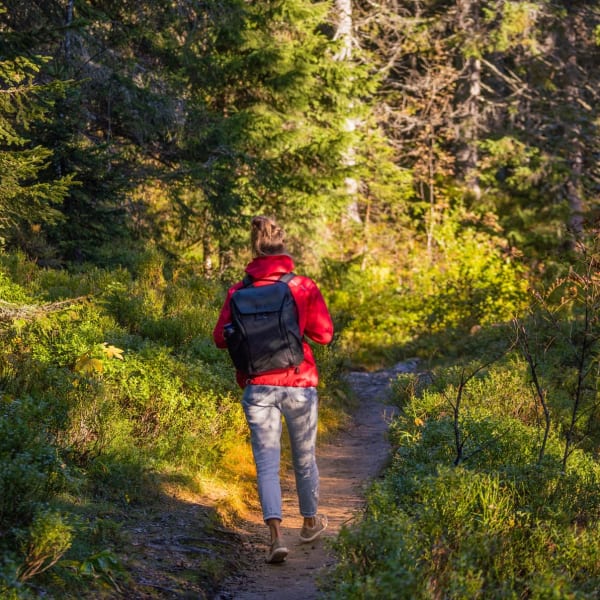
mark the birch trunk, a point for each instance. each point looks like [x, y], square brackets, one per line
[468, 155]
[344, 34]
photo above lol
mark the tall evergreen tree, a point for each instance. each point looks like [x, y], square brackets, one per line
[30, 190]
[111, 127]
[192, 115]
[268, 107]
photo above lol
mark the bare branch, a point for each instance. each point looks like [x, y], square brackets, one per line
[10, 311]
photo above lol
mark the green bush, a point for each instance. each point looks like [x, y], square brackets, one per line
[427, 298]
[11, 292]
[18, 270]
[505, 523]
[32, 474]
[46, 541]
[58, 339]
[53, 285]
[181, 409]
[31, 470]
[178, 314]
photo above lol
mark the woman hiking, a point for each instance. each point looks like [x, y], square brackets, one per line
[289, 390]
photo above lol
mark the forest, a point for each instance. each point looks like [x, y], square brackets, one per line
[436, 165]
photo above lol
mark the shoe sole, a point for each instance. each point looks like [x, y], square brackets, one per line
[277, 556]
[306, 540]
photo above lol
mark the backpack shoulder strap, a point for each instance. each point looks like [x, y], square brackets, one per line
[287, 277]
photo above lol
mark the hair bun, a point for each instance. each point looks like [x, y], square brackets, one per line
[267, 237]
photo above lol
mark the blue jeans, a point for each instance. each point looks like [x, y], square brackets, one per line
[264, 405]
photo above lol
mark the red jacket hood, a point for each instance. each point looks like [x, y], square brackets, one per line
[266, 266]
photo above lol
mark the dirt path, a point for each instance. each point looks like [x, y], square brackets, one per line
[346, 465]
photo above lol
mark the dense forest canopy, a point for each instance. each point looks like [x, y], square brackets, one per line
[175, 121]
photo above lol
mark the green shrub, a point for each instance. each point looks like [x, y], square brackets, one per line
[178, 313]
[426, 299]
[560, 339]
[11, 292]
[53, 285]
[58, 339]
[377, 559]
[31, 471]
[19, 269]
[335, 398]
[46, 541]
[463, 534]
[32, 474]
[172, 404]
[505, 523]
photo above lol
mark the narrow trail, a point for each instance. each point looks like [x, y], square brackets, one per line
[347, 465]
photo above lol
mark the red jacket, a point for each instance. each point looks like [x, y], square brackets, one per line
[313, 317]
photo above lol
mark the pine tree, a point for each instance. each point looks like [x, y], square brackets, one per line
[218, 109]
[268, 106]
[111, 126]
[30, 192]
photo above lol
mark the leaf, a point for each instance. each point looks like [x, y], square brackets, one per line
[112, 351]
[18, 324]
[87, 365]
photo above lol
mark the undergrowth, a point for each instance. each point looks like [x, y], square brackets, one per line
[494, 486]
[500, 524]
[425, 303]
[112, 393]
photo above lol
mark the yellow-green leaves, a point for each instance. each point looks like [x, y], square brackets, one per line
[112, 351]
[90, 365]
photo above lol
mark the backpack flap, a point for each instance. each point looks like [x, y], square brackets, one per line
[260, 300]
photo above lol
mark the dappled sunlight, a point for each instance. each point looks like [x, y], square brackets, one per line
[434, 166]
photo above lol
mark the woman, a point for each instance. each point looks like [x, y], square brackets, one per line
[290, 392]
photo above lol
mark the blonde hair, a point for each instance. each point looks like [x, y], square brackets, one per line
[266, 237]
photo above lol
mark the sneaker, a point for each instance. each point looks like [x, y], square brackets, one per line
[308, 534]
[277, 552]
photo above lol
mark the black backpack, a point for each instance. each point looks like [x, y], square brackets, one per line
[264, 334]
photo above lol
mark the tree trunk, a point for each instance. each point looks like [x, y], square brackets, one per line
[68, 22]
[207, 252]
[471, 127]
[344, 33]
[469, 102]
[344, 28]
[573, 186]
